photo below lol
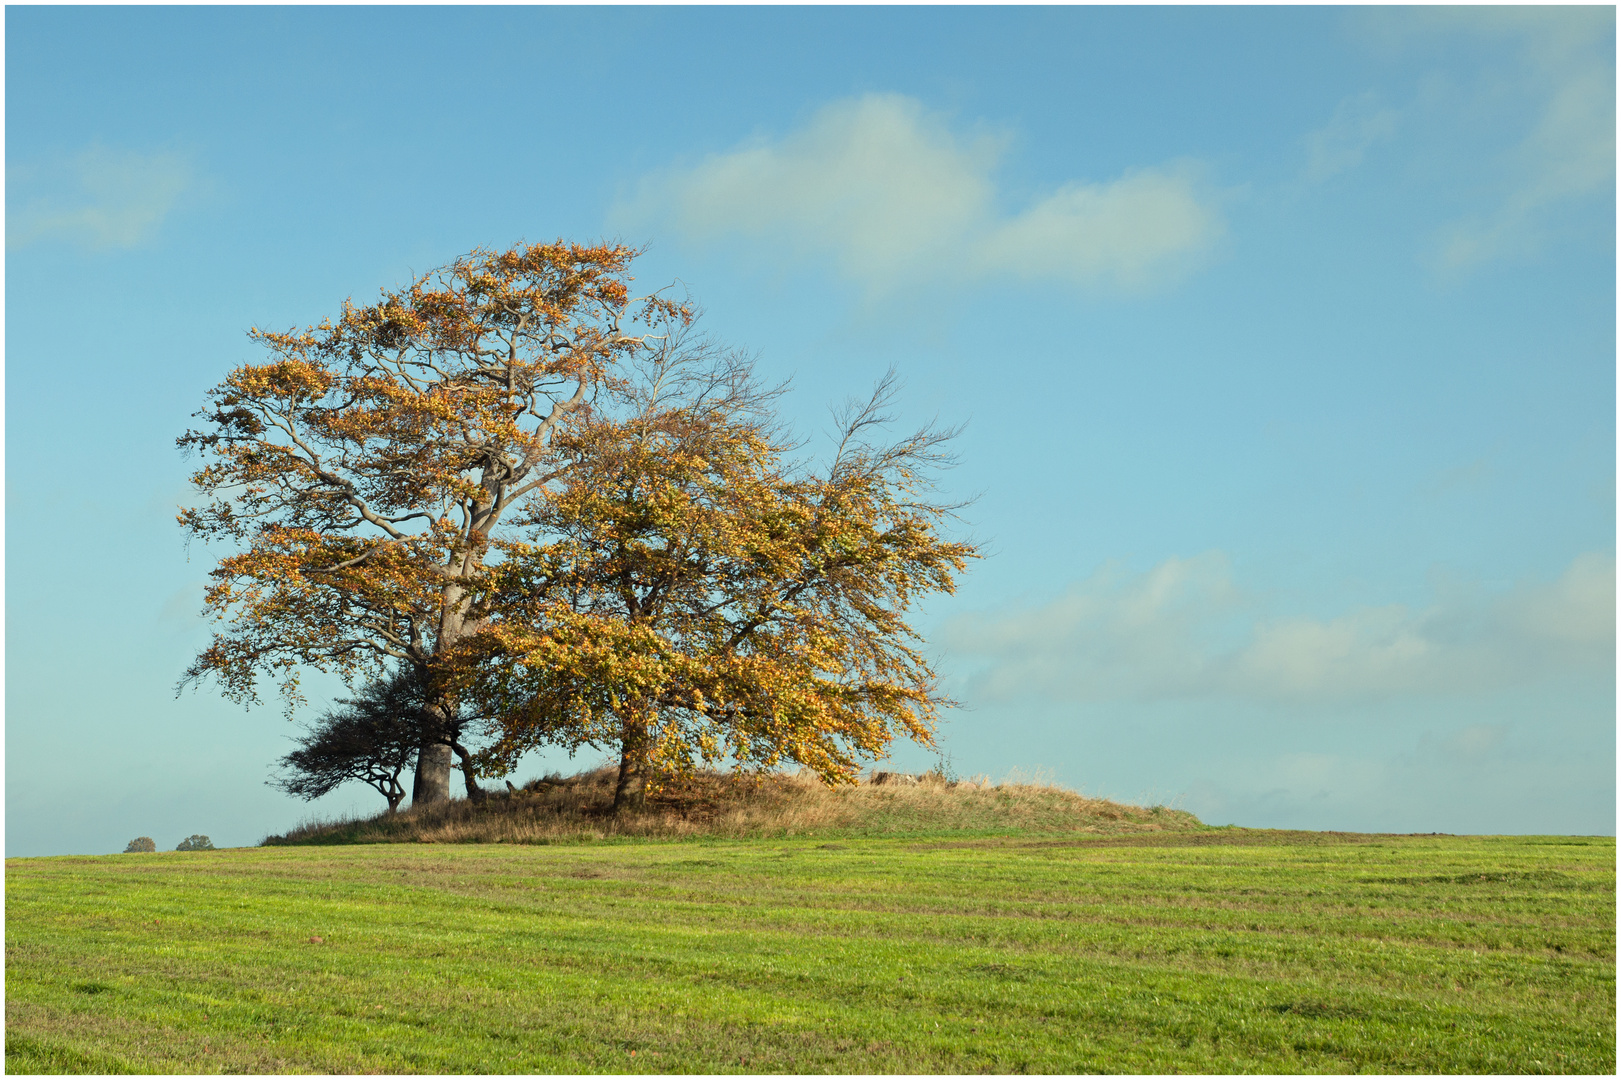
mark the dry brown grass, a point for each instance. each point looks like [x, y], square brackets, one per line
[561, 809]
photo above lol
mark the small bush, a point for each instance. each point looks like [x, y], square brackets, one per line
[195, 842]
[141, 843]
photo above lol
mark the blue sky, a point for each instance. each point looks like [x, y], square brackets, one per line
[1285, 339]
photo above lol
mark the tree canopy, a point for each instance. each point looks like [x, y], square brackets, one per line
[690, 594]
[560, 518]
[362, 470]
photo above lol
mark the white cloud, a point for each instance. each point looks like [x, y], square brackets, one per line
[893, 195]
[1132, 230]
[1185, 630]
[100, 197]
[1358, 123]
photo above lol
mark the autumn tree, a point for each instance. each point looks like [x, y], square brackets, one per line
[690, 594]
[362, 471]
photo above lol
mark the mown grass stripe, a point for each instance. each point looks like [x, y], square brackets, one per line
[873, 955]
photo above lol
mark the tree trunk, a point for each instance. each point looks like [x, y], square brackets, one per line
[475, 794]
[631, 791]
[433, 775]
[434, 760]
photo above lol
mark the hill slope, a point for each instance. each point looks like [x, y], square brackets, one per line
[718, 804]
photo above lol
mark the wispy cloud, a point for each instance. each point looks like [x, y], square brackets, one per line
[1358, 123]
[99, 197]
[1186, 630]
[894, 196]
[1567, 65]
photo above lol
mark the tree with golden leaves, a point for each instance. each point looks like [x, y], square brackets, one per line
[690, 595]
[362, 471]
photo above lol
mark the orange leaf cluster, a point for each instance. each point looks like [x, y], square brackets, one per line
[688, 596]
[363, 469]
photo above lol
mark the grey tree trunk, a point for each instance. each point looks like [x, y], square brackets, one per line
[434, 761]
[433, 775]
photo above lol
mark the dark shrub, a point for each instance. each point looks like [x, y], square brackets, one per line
[141, 843]
[373, 740]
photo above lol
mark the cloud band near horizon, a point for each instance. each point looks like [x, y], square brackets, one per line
[1185, 629]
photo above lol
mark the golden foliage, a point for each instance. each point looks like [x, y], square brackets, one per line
[690, 596]
[362, 470]
[575, 520]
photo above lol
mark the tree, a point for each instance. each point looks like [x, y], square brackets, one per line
[195, 842]
[689, 595]
[362, 471]
[373, 739]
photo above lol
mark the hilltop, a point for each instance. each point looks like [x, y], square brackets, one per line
[558, 809]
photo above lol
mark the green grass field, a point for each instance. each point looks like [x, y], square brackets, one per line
[1211, 950]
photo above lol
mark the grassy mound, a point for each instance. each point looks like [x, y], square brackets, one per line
[579, 807]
